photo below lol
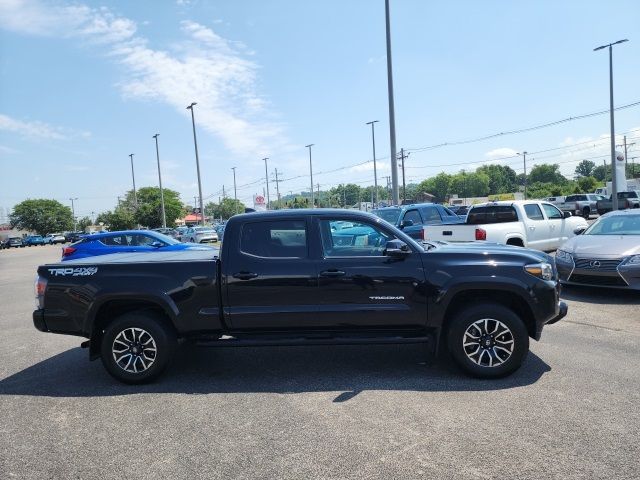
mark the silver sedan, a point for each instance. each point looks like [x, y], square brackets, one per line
[606, 254]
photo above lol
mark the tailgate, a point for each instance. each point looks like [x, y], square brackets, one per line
[450, 233]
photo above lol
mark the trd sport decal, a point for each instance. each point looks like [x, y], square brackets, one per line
[74, 272]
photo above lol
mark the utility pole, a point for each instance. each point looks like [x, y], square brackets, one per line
[235, 191]
[344, 195]
[375, 170]
[311, 173]
[318, 187]
[266, 178]
[524, 159]
[223, 193]
[404, 188]
[73, 213]
[392, 117]
[133, 177]
[164, 216]
[278, 188]
[195, 143]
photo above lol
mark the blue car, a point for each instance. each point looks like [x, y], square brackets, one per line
[124, 242]
[33, 240]
[411, 218]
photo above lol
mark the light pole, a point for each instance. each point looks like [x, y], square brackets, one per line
[73, 212]
[164, 217]
[392, 115]
[133, 177]
[311, 172]
[614, 183]
[235, 192]
[375, 170]
[195, 143]
[266, 177]
[524, 159]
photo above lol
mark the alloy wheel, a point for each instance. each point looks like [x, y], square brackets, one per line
[488, 342]
[134, 350]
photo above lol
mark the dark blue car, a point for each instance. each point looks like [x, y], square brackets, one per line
[124, 242]
[411, 218]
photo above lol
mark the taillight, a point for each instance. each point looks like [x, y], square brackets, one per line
[67, 251]
[41, 287]
[422, 235]
[627, 204]
[481, 234]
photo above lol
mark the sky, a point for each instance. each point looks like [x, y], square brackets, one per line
[83, 84]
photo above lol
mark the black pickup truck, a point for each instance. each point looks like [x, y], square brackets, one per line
[304, 277]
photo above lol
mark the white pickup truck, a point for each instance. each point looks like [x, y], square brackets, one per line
[532, 224]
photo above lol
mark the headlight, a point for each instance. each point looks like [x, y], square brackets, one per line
[564, 256]
[635, 260]
[540, 270]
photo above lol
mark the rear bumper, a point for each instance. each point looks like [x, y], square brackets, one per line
[38, 320]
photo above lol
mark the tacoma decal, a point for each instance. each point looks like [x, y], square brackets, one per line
[74, 272]
[386, 298]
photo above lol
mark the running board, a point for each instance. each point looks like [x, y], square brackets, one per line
[247, 341]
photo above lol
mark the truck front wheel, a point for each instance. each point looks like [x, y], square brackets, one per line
[586, 212]
[488, 340]
[137, 347]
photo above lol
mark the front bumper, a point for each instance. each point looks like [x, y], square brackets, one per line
[610, 273]
[563, 308]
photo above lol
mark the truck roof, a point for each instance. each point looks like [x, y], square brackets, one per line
[296, 212]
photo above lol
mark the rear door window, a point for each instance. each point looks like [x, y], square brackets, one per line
[492, 214]
[275, 239]
[431, 215]
[414, 216]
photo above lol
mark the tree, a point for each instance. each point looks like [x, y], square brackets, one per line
[585, 168]
[120, 219]
[470, 184]
[502, 179]
[546, 173]
[437, 186]
[227, 208]
[83, 223]
[587, 184]
[41, 216]
[149, 209]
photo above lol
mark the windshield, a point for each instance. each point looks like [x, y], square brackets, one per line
[165, 238]
[391, 215]
[615, 225]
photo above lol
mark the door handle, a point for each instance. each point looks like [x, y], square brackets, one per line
[245, 275]
[532, 228]
[332, 273]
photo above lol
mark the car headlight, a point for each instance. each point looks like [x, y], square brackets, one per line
[541, 270]
[635, 260]
[564, 256]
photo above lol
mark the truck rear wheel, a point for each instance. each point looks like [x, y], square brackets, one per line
[586, 212]
[488, 341]
[137, 347]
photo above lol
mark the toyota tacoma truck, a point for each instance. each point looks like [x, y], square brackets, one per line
[532, 224]
[584, 204]
[300, 277]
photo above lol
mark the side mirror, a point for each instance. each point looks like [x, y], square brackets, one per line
[406, 223]
[579, 230]
[566, 214]
[396, 249]
[157, 244]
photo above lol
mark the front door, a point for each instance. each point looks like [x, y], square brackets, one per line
[537, 228]
[270, 279]
[557, 233]
[360, 286]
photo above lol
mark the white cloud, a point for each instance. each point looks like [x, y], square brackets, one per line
[204, 68]
[31, 129]
[500, 153]
[368, 167]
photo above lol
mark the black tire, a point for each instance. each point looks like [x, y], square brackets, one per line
[586, 212]
[494, 362]
[601, 212]
[516, 242]
[153, 327]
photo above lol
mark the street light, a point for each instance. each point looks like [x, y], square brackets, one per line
[195, 143]
[164, 217]
[73, 213]
[614, 183]
[311, 172]
[266, 177]
[375, 170]
[524, 158]
[133, 177]
[235, 191]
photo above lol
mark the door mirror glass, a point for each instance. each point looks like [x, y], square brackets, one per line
[566, 214]
[397, 249]
[157, 244]
[579, 230]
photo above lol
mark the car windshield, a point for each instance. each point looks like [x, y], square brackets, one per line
[615, 225]
[391, 215]
[165, 238]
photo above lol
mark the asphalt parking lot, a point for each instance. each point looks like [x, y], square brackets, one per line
[572, 411]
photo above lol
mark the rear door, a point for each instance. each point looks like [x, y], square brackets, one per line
[270, 281]
[415, 230]
[361, 287]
